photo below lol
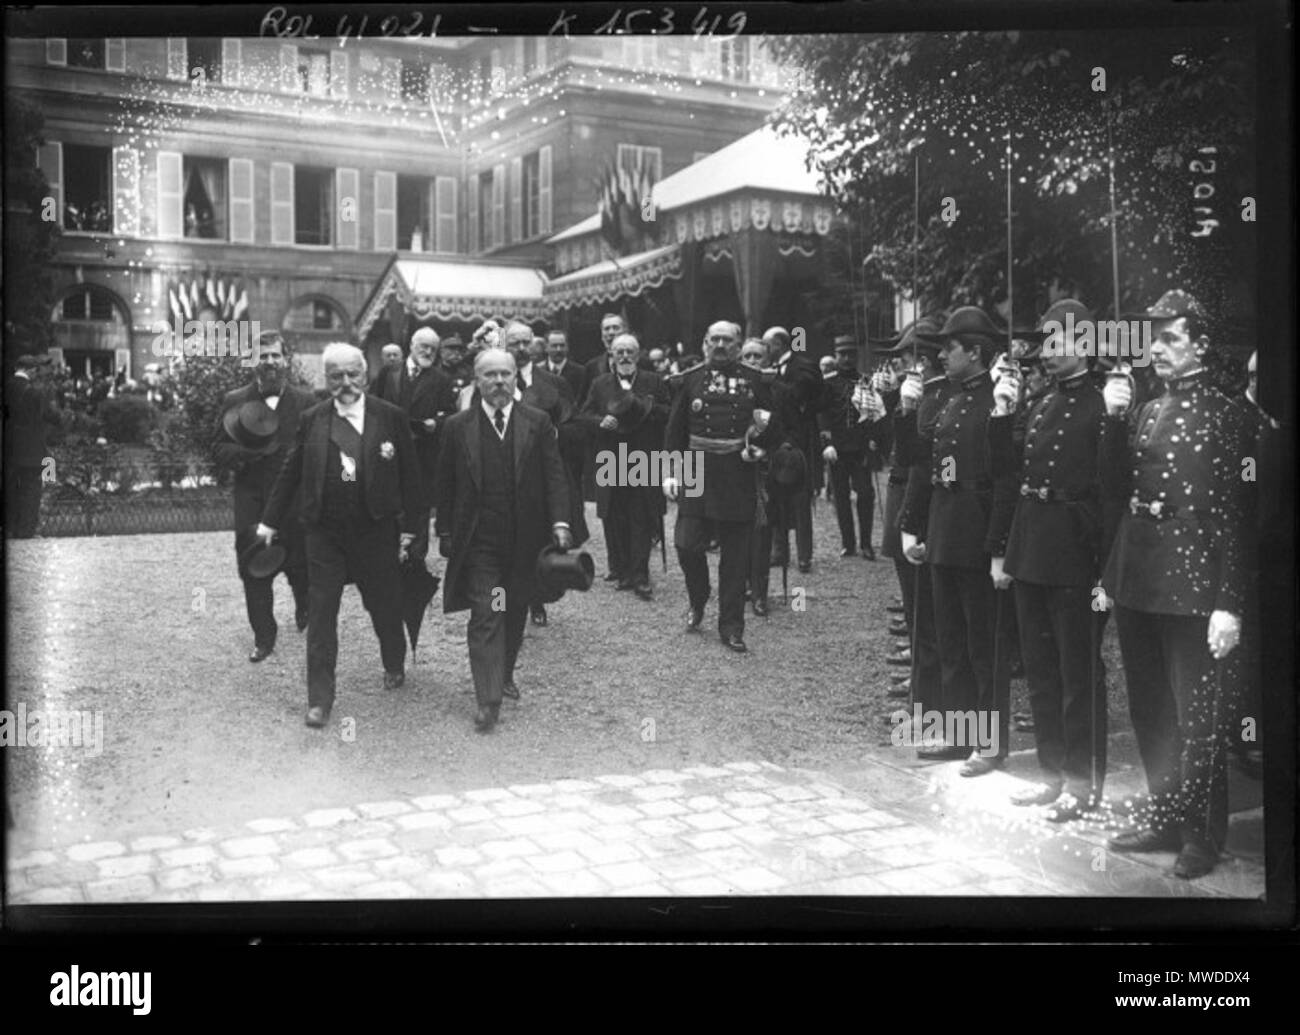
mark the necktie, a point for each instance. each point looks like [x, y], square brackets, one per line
[523, 385]
[499, 421]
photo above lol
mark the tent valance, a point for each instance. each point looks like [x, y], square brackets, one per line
[612, 279]
[469, 291]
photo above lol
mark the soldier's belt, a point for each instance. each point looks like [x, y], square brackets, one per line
[1044, 494]
[717, 445]
[1159, 510]
[977, 485]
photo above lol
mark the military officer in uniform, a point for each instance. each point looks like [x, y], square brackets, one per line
[958, 543]
[851, 435]
[797, 373]
[1052, 539]
[1177, 575]
[723, 414]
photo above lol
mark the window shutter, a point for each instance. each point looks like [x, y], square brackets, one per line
[289, 68]
[241, 200]
[281, 203]
[499, 205]
[338, 73]
[49, 157]
[347, 187]
[473, 213]
[516, 199]
[115, 54]
[393, 78]
[232, 59]
[126, 191]
[56, 51]
[544, 189]
[385, 211]
[543, 52]
[445, 234]
[177, 58]
[171, 191]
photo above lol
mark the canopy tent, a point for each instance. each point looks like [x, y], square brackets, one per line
[466, 291]
[611, 279]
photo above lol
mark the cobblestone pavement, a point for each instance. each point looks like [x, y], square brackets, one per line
[745, 828]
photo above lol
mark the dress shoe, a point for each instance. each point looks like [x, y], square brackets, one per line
[900, 677]
[1195, 860]
[1146, 840]
[300, 619]
[869, 553]
[317, 716]
[485, 718]
[394, 680]
[613, 576]
[902, 656]
[625, 584]
[805, 567]
[693, 619]
[260, 654]
[941, 752]
[643, 591]
[1038, 794]
[895, 608]
[977, 765]
[539, 615]
[903, 689]
[899, 629]
[760, 608]
[1023, 722]
[849, 551]
[735, 643]
[510, 690]
[1069, 807]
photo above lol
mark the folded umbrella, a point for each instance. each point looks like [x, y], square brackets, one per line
[419, 586]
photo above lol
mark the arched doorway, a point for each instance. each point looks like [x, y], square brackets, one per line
[312, 322]
[91, 332]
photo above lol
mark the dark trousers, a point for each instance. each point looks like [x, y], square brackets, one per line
[364, 552]
[22, 501]
[1180, 719]
[792, 511]
[691, 537]
[1058, 635]
[1243, 674]
[969, 632]
[850, 472]
[259, 594]
[629, 527]
[918, 606]
[497, 617]
[760, 562]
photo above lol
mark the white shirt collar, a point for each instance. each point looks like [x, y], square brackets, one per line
[354, 413]
[490, 411]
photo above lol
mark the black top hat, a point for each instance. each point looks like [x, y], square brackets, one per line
[787, 468]
[971, 320]
[630, 407]
[260, 561]
[252, 425]
[559, 571]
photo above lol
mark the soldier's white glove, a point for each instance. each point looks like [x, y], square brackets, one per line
[1118, 395]
[909, 396]
[829, 455]
[1223, 634]
[762, 418]
[670, 487]
[1006, 393]
[1001, 580]
[884, 381]
[913, 548]
[265, 533]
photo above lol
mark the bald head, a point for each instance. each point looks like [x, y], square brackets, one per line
[392, 356]
[345, 371]
[494, 374]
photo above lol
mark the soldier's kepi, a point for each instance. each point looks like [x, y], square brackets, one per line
[723, 412]
[1177, 577]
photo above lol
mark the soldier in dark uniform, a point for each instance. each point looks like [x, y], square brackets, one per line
[1177, 576]
[798, 375]
[1052, 540]
[720, 413]
[851, 438]
[959, 545]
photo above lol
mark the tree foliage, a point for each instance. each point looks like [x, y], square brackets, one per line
[29, 239]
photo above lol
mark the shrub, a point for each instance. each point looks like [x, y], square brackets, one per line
[127, 419]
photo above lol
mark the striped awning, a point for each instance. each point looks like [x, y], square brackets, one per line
[615, 278]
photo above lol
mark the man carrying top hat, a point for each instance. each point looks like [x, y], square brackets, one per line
[258, 425]
[1051, 541]
[852, 435]
[722, 413]
[1177, 577]
[27, 411]
[626, 410]
[958, 545]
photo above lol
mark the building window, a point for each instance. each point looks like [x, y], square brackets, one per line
[86, 54]
[87, 187]
[640, 51]
[313, 205]
[205, 197]
[485, 210]
[415, 81]
[413, 213]
[636, 160]
[203, 53]
[733, 57]
[314, 72]
[90, 303]
[532, 195]
[315, 314]
[530, 56]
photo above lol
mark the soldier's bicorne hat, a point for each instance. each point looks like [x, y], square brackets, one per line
[259, 561]
[1027, 344]
[1170, 306]
[971, 320]
[252, 425]
[787, 469]
[559, 571]
[920, 334]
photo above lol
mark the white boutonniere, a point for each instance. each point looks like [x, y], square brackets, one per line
[386, 450]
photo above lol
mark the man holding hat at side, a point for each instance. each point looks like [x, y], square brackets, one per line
[258, 424]
[1052, 541]
[1177, 577]
[851, 433]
